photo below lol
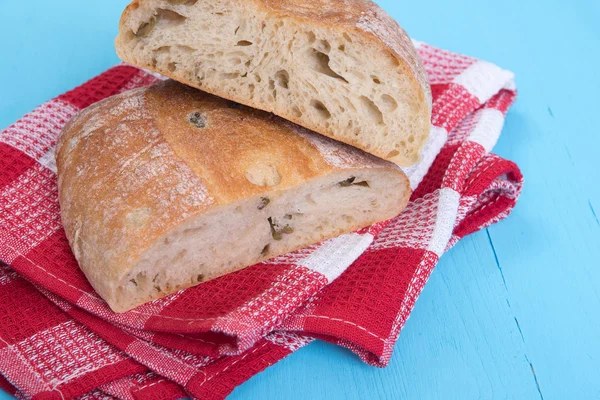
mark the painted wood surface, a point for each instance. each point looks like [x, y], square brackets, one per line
[512, 312]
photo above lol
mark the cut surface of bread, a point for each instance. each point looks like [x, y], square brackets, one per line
[345, 69]
[164, 187]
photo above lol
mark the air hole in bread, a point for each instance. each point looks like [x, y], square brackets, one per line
[231, 75]
[183, 49]
[373, 111]
[169, 16]
[319, 62]
[317, 55]
[129, 35]
[282, 78]
[392, 154]
[139, 279]
[179, 256]
[162, 50]
[161, 14]
[324, 46]
[199, 74]
[146, 27]
[348, 218]
[322, 111]
[171, 67]
[265, 250]
[411, 139]
[352, 182]
[389, 103]
[296, 112]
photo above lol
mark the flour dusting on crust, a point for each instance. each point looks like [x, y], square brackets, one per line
[340, 155]
[135, 186]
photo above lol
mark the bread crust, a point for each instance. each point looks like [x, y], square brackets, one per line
[361, 17]
[133, 166]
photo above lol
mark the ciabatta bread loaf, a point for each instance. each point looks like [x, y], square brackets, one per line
[165, 187]
[344, 69]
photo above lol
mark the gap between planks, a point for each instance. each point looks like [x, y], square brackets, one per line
[535, 379]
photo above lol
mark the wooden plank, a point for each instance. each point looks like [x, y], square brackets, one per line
[547, 252]
[540, 267]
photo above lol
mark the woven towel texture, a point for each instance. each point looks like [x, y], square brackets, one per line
[60, 340]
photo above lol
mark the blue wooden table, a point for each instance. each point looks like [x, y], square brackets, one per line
[512, 312]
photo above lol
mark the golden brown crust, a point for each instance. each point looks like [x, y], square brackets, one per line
[135, 165]
[232, 142]
[112, 155]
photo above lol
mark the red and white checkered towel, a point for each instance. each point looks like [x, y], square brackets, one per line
[59, 340]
